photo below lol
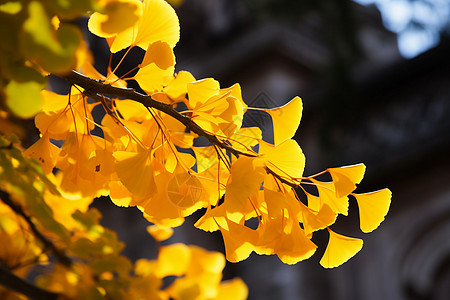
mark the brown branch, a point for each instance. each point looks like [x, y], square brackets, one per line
[95, 88]
[17, 284]
[62, 258]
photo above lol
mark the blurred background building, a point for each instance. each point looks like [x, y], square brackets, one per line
[363, 102]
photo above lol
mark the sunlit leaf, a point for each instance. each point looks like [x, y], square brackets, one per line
[159, 53]
[346, 178]
[233, 289]
[286, 119]
[160, 233]
[286, 159]
[340, 249]
[135, 171]
[116, 16]
[373, 207]
[173, 260]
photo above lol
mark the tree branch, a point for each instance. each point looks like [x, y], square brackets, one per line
[17, 284]
[62, 258]
[95, 88]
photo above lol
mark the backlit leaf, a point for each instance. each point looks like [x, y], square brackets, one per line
[116, 16]
[340, 249]
[346, 178]
[286, 120]
[373, 207]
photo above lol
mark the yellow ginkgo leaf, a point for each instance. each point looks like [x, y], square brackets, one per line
[160, 233]
[119, 194]
[158, 22]
[246, 138]
[232, 289]
[340, 249]
[152, 79]
[53, 102]
[201, 91]
[116, 16]
[286, 159]
[135, 171]
[313, 221]
[245, 180]
[286, 120]
[346, 178]
[232, 117]
[327, 195]
[238, 241]
[45, 152]
[185, 190]
[213, 219]
[159, 53]
[373, 207]
[173, 260]
[235, 91]
[177, 88]
[132, 110]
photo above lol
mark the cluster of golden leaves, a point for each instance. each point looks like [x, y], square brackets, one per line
[154, 157]
[77, 258]
[148, 159]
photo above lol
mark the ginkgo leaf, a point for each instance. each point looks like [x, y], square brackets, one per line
[235, 91]
[159, 53]
[201, 91]
[213, 219]
[238, 241]
[116, 16]
[346, 178]
[160, 233]
[327, 195]
[373, 207]
[286, 120]
[280, 204]
[132, 110]
[340, 249]
[119, 194]
[246, 138]
[173, 260]
[177, 88]
[135, 171]
[245, 180]
[232, 117]
[313, 221]
[45, 152]
[286, 159]
[184, 190]
[53, 102]
[295, 247]
[232, 289]
[152, 79]
[158, 22]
